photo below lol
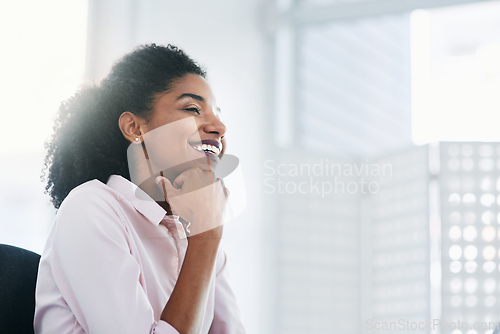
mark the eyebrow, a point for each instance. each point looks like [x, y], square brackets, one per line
[193, 96]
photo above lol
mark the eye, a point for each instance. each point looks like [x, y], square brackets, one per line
[193, 109]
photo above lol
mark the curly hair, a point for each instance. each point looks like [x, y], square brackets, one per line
[87, 142]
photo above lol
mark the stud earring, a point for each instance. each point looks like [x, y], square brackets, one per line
[136, 139]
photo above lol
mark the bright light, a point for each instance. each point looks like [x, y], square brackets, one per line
[42, 61]
[456, 73]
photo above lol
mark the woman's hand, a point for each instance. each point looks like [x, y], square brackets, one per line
[198, 197]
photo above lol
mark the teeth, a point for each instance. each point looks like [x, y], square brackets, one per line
[207, 147]
[213, 149]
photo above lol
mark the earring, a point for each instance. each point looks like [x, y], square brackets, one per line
[136, 139]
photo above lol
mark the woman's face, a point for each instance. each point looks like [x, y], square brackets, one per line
[185, 130]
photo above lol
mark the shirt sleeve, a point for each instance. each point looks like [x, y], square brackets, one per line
[95, 271]
[163, 327]
[227, 318]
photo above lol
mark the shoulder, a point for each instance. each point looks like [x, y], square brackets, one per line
[88, 208]
[90, 194]
[93, 189]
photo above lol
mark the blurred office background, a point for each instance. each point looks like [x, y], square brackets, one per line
[406, 83]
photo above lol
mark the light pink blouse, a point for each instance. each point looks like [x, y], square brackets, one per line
[111, 262]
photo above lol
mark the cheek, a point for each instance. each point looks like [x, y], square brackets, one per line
[167, 145]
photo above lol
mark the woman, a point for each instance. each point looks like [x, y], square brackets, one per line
[119, 258]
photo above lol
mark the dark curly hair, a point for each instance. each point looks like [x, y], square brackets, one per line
[87, 142]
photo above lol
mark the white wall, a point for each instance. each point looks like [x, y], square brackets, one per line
[41, 64]
[228, 38]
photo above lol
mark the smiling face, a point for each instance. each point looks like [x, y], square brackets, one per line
[184, 131]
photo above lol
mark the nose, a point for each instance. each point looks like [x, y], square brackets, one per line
[214, 125]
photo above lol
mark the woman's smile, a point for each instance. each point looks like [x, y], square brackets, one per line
[209, 146]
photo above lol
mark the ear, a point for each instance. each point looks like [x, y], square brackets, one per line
[130, 126]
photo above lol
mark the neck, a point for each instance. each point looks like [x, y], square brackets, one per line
[149, 187]
[166, 207]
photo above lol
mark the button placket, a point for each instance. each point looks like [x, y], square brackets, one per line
[176, 229]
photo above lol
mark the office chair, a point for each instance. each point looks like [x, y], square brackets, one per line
[18, 273]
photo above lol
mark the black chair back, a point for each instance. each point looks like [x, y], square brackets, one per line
[18, 273]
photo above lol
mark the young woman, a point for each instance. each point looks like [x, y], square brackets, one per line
[119, 258]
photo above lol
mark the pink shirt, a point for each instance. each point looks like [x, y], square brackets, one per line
[111, 262]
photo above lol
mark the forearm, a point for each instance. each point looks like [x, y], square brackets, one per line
[186, 307]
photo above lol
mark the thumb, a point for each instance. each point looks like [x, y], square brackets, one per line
[180, 179]
[166, 187]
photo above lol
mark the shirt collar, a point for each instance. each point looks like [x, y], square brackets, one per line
[141, 201]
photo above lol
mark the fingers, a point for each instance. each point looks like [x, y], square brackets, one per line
[182, 177]
[199, 200]
[195, 178]
[224, 188]
[179, 181]
[166, 187]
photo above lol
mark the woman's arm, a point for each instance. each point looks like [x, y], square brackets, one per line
[227, 319]
[93, 272]
[185, 309]
[199, 198]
